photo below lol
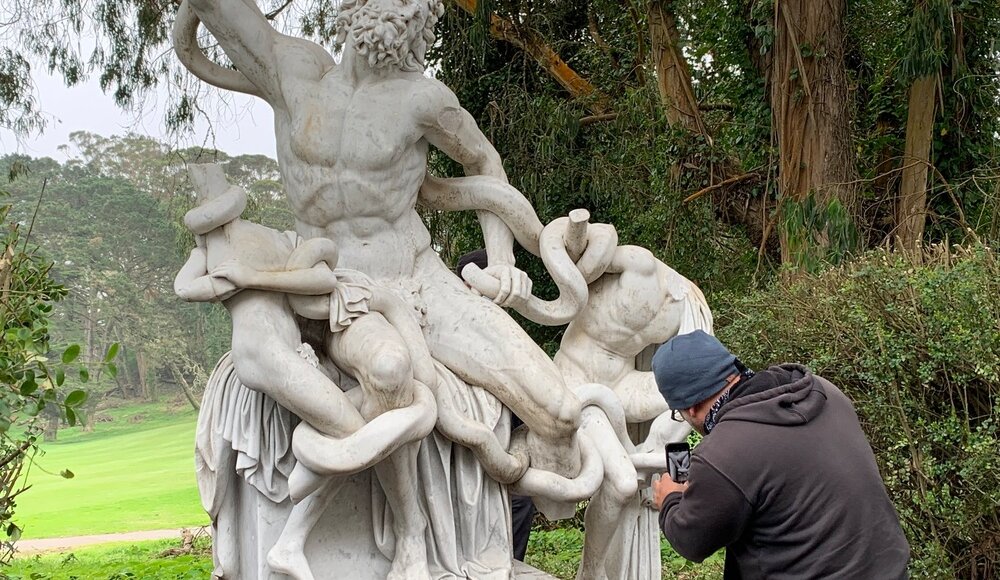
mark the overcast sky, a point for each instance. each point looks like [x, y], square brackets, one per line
[244, 125]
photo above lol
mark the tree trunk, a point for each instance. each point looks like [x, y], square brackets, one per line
[809, 102]
[673, 79]
[141, 370]
[88, 335]
[912, 209]
[88, 418]
[185, 386]
[734, 205]
[6, 264]
[51, 430]
[125, 367]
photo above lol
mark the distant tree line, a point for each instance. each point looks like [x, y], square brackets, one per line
[108, 219]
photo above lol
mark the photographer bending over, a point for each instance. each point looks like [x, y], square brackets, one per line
[784, 479]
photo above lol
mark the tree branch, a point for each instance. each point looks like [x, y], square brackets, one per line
[532, 43]
[726, 183]
[274, 13]
[592, 119]
[17, 452]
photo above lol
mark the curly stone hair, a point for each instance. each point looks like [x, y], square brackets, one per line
[405, 45]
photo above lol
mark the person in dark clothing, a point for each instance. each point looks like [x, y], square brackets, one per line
[522, 509]
[522, 512]
[784, 477]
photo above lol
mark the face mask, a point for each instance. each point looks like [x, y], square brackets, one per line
[712, 418]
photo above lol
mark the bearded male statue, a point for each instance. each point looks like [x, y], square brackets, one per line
[352, 143]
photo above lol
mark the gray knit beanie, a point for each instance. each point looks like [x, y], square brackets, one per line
[690, 368]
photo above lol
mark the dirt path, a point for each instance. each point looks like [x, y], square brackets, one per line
[30, 547]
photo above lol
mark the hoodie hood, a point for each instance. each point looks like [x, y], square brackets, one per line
[787, 394]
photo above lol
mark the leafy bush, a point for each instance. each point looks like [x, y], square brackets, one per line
[28, 382]
[917, 347]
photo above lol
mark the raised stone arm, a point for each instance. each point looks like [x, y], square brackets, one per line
[452, 129]
[261, 54]
[185, 35]
[594, 245]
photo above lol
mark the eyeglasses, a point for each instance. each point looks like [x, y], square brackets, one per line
[676, 415]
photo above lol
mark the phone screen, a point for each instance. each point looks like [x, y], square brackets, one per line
[678, 461]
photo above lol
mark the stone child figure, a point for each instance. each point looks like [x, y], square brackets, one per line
[243, 265]
[352, 142]
[638, 301]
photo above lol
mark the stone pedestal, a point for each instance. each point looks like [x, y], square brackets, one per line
[342, 545]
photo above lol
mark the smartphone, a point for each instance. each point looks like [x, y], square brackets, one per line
[679, 461]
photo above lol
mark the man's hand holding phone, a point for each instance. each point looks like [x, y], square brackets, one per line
[678, 464]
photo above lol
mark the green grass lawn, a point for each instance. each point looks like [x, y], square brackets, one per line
[133, 473]
[137, 560]
[555, 551]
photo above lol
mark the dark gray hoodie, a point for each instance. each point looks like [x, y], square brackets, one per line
[788, 484]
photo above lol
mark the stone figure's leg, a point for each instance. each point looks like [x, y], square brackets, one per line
[268, 364]
[376, 354]
[398, 478]
[401, 317]
[451, 421]
[485, 347]
[288, 554]
[603, 516]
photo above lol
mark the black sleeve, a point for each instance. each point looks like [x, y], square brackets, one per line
[708, 516]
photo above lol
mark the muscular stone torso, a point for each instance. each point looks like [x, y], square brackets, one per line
[625, 313]
[353, 158]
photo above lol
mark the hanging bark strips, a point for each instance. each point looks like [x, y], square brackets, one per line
[809, 102]
[673, 79]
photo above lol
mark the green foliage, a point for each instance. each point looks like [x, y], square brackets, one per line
[917, 347]
[140, 560]
[637, 161]
[29, 380]
[18, 109]
[558, 552]
[929, 35]
[632, 171]
[817, 234]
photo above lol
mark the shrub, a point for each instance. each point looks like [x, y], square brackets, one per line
[917, 347]
[28, 381]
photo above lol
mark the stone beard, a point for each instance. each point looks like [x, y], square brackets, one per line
[396, 36]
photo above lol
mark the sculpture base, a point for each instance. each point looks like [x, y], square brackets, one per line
[334, 551]
[468, 532]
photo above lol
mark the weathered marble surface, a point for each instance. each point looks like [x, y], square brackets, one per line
[360, 426]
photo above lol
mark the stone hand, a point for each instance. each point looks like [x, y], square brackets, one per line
[235, 272]
[515, 285]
